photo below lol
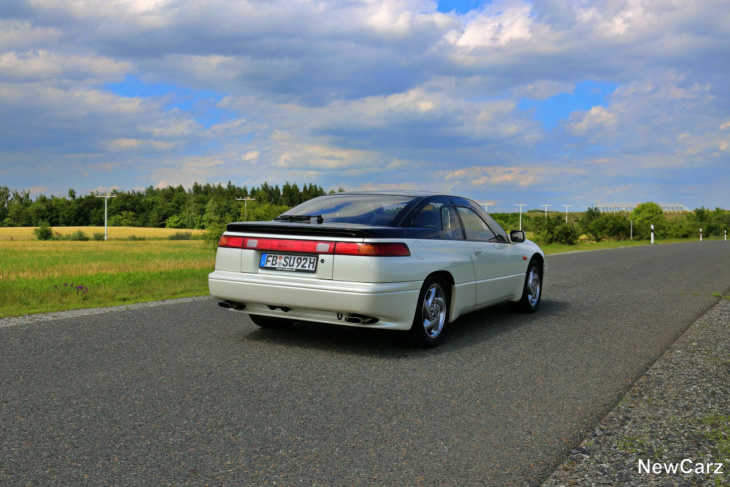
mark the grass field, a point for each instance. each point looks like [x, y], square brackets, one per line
[44, 276]
[37, 277]
[115, 233]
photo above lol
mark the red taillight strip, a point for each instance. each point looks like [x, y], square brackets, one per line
[384, 249]
[230, 242]
[379, 249]
[286, 245]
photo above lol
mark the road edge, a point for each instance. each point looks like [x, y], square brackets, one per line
[667, 428]
[75, 313]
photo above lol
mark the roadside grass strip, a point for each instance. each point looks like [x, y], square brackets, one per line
[40, 277]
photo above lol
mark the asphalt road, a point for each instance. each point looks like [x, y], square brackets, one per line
[196, 394]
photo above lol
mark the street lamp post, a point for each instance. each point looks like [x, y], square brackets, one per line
[106, 198]
[245, 206]
[566, 212]
[520, 205]
[546, 207]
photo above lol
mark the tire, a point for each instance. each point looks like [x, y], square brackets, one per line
[532, 289]
[432, 313]
[271, 323]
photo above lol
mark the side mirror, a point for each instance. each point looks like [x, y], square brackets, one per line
[517, 236]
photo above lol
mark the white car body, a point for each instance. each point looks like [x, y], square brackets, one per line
[367, 291]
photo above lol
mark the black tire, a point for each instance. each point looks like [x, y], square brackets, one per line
[532, 289]
[432, 313]
[271, 323]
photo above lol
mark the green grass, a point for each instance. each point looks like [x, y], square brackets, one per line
[36, 277]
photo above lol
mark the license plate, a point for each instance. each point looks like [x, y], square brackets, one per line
[290, 263]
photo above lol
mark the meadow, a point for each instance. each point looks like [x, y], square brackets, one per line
[45, 276]
[135, 265]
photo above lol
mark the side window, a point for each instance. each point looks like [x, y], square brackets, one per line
[428, 217]
[474, 226]
[452, 225]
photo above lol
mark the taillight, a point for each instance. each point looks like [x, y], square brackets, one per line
[385, 249]
[380, 249]
[295, 246]
[230, 242]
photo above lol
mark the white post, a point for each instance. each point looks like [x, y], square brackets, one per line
[652, 234]
[520, 205]
[700, 235]
[546, 207]
[245, 206]
[726, 235]
[106, 227]
[632, 230]
[566, 212]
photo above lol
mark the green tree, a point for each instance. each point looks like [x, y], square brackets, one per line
[645, 215]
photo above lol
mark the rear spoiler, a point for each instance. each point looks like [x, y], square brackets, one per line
[335, 230]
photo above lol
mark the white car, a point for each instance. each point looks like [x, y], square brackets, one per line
[395, 260]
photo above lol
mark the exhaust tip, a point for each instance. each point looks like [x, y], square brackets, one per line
[356, 319]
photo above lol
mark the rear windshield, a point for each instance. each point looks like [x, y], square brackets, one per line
[375, 209]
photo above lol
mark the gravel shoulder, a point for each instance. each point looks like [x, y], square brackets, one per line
[676, 416]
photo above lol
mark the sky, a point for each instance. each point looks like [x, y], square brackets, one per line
[507, 102]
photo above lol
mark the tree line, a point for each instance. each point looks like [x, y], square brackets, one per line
[202, 206]
[598, 226]
[207, 206]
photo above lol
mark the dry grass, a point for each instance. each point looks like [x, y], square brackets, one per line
[26, 233]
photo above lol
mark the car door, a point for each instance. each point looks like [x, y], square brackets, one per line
[494, 261]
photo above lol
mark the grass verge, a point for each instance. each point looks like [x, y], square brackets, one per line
[40, 277]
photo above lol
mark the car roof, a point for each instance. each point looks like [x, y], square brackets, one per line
[413, 193]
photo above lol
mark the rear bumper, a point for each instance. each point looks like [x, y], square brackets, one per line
[326, 301]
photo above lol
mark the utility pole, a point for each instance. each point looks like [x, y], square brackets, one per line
[245, 206]
[566, 212]
[106, 198]
[546, 207]
[520, 205]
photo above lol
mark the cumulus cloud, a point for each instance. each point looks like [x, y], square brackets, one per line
[366, 93]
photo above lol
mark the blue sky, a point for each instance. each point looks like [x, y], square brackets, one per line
[505, 101]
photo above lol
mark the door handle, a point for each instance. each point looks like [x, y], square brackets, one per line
[478, 252]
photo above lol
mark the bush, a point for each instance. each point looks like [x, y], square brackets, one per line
[181, 236]
[77, 236]
[565, 234]
[214, 233]
[44, 231]
[554, 230]
[98, 236]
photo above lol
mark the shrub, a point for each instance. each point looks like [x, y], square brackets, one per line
[44, 231]
[213, 235]
[77, 236]
[181, 236]
[98, 236]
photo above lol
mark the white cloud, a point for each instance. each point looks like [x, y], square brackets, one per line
[364, 92]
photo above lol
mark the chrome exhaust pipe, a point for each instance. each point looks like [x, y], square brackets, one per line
[356, 319]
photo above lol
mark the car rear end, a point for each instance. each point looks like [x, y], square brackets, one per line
[322, 273]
